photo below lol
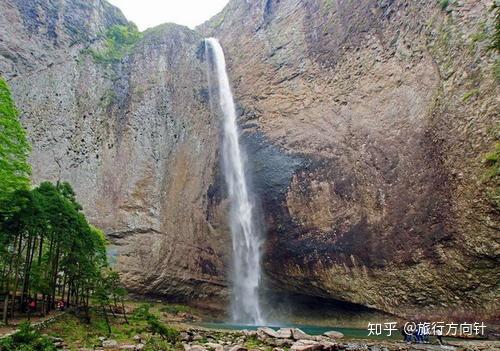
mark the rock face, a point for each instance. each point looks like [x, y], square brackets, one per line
[365, 123]
[135, 137]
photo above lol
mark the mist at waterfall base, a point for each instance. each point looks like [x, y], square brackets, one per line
[246, 230]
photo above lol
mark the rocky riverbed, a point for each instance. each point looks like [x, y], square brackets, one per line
[267, 339]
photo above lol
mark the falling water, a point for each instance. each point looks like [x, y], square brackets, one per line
[246, 233]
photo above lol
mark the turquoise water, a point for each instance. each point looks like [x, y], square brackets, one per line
[355, 333]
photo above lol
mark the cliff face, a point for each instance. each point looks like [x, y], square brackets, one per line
[135, 137]
[365, 123]
[377, 115]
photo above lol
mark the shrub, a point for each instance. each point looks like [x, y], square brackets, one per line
[155, 326]
[158, 345]
[166, 332]
[27, 339]
[142, 312]
[444, 4]
[119, 41]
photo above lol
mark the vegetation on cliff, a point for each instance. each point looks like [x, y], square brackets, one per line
[492, 176]
[118, 42]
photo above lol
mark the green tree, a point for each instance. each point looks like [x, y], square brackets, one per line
[14, 148]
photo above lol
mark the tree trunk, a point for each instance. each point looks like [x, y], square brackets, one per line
[16, 284]
[124, 313]
[107, 319]
[26, 275]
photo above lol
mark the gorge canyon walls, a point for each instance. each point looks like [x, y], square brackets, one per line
[366, 125]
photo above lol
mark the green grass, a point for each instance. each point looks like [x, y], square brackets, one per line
[174, 309]
[492, 162]
[254, 343]
[76, 333]
[480, 35]
[145, 320]
[492, 176]
[27, 339]
[470, 94]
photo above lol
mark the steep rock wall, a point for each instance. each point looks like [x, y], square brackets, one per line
[379, 146]
[135, 137]
[365, 123]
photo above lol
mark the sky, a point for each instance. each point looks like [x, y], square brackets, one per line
[150, 13]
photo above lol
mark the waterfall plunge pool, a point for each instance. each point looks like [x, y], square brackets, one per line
[350, 333]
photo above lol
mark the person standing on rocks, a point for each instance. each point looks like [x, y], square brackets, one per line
[439, 336]
[406, 336]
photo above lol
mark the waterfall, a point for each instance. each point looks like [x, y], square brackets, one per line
[245, 231]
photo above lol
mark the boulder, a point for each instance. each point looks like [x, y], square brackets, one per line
[280, 342]
[214, 346]
[334, 334]
[137, 338]
[284, 333]
[185, 336]
[306, 345]
[127, 347]
[266, 332]
[110, 344]
[247, 332]
[193, 347]
[238, 348]
[139, 347]
[358, 347]
[329, 346]
[298, 334]
[59, 344]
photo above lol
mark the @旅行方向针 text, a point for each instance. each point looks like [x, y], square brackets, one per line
[427, 328]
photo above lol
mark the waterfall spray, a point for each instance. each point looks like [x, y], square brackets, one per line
[245, 231]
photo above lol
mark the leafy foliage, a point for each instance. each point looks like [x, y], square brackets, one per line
[27, 339]
[444, 4]
[142, 312]
[49, 253]
[119, 40]
[155, 326]
[14, 148]
[50, 244]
